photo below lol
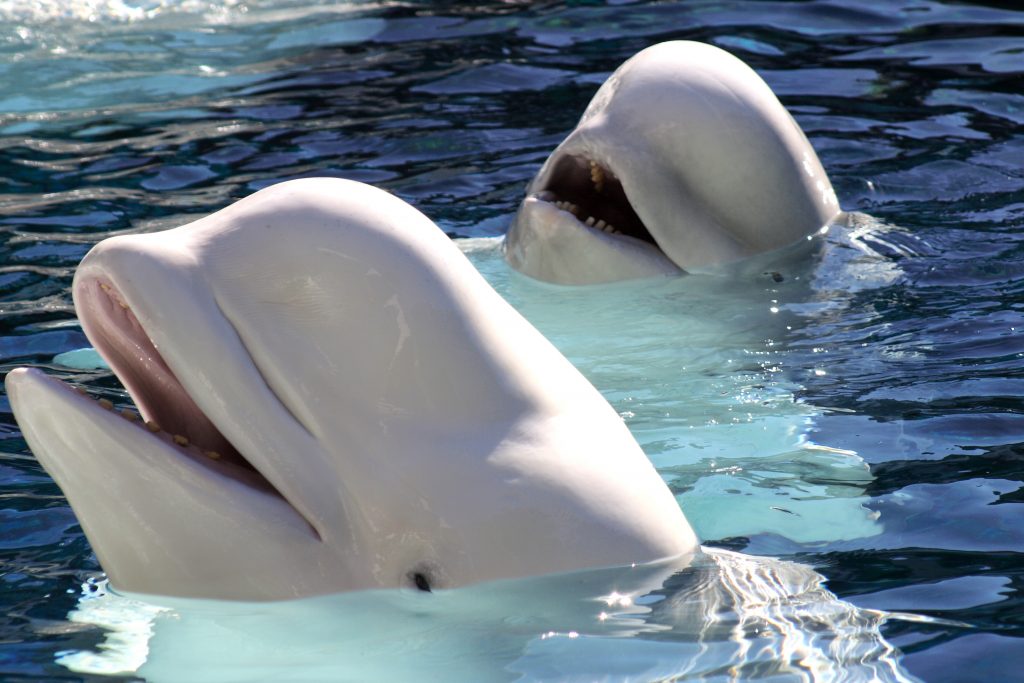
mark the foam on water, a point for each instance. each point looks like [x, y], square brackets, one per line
[115, 55]
[130, 11]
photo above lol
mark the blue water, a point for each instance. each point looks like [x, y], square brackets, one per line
[862, 417]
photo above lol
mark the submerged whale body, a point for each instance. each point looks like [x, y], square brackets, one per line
[755, 618]
[684, 161]
[332, 399]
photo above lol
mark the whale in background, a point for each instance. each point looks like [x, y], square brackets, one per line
[332, 399]
[684, 161]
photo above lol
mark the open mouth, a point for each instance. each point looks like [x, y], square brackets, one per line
[168, 412]
[594, 196]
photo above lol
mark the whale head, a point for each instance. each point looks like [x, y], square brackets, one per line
[331, 399]
[684, 161]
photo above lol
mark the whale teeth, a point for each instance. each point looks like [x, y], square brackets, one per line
[81, 391]
[129, 415]
[152, 426]
[106, 404]
[181, 440]
[104, 286]
[598, 223]
[567, 206]
[212, 455]
[597, 176]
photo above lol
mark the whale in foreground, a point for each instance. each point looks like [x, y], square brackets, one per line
[684, 161]
[332, 399]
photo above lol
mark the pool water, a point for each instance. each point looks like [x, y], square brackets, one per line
[861, 417]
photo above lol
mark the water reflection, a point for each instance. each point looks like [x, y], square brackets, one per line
[703, 371]
[726, 616]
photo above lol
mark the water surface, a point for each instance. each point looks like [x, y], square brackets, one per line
[862, 417]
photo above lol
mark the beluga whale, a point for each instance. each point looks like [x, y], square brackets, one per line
[332, 399]
[684, 161]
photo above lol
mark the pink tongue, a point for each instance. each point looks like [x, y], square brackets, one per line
[117, 335]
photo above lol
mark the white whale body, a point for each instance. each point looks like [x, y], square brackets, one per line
[335, 400]
[684, 161]
[753, 616]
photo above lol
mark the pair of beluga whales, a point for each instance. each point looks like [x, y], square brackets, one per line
[333, 399]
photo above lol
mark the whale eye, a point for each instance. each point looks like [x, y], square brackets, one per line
[426, 575]
[419, 579]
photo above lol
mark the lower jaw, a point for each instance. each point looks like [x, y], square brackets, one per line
[593, 222]
[549, 244]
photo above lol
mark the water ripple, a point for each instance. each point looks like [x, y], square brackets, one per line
[904, 347]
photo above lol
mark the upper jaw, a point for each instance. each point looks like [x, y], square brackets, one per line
[147, 309]
[114, 329]
[653, 199]
[590, 181]
[550, 244]
[579, 225]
